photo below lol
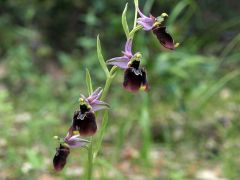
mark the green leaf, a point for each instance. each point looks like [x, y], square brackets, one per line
[89, 82]
[101, 132]
[100, 57]
[124, 21]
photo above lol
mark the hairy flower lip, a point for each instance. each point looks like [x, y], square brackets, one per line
[85, 127]
[164, 38]
[60, 158]
[135, 79]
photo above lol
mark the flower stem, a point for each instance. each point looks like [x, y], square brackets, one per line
[106, 88]
[133, 31]
[91, 152]
[135, 16]
[90, 160]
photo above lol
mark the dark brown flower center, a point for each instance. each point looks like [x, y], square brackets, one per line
[135, 64]
[84, 108]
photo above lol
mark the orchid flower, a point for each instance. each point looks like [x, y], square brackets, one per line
[84, 120]
[154, 24]
[135, 77]
[60, 158]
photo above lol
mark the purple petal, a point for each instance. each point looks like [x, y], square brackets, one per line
[97, 92]
[121, 62]
[147, 20]
[75, 142]
[95, 95]
[128, 47]
[146, 26]
[141, 14]
[99, 105]
[127, 55]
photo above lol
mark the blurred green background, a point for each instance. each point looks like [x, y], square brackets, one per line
[186, 127]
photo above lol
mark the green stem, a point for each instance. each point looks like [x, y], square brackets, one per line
[106, 88]
[133, 31]
[90, 160]
[135, 16]
[90, 148]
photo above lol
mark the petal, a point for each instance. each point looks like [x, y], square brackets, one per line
[99, 105]
[164, 38]
[128, 48]
[69, 134]
[121, 62]
[95, 95]
[147, 20]
[75, 141]
[60, 158]
[87, 126]
[140, 13]
[146, 26]
[133, 80]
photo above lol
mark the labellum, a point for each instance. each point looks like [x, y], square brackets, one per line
[60, 158]
[135, 77]
[86, 126]
[164, 38]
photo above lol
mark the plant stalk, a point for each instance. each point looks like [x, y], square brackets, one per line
[90, 148]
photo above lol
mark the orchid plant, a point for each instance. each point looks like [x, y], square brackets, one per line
[135, 78]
